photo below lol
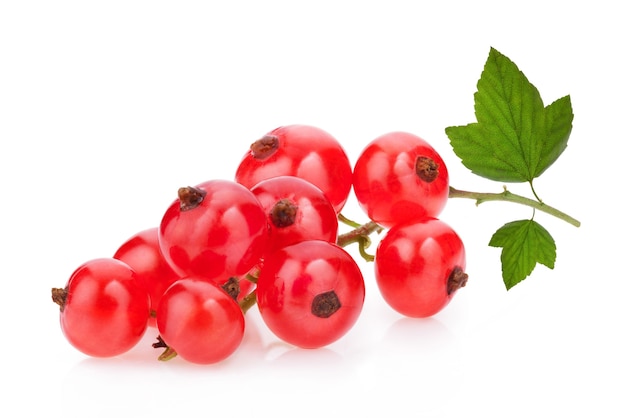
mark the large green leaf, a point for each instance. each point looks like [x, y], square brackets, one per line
[515, 138]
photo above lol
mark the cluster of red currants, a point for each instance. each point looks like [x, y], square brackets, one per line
[270, 238]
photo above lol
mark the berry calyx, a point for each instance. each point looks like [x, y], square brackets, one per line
[456, 280]
[325, 304]
[283, 213]
[264, 147]
[426, 169]
[190, 197]
[59, 296]
[232, 288]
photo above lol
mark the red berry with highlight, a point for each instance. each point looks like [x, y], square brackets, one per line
[200, 321]
[301, 151]
[214, 230]
[310, 294]
[296, 210]
[419, 267]
[399, 177]
[104, 309]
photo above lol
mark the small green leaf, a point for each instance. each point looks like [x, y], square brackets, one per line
[515, 138]
[524, 244]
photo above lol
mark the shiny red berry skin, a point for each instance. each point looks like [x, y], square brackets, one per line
[399, 177]
[297, 211]
[419, 266]
[199, 321]
[142, 253]
[302, 151]
[104, 310]
[219, 232]
[310, 294]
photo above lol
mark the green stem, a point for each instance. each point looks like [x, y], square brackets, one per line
[168, 353]
[347, 221]
[360, 235]
[248, 301]
[251, 277]
[507, 196]
[532, 187]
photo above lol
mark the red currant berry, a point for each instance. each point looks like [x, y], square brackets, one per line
[297, 211]
[200, 321]
[419, 267]
[215, 230]
[399, 177]
[301, 151]
[104, 310]
[142, 253]
[310, 294]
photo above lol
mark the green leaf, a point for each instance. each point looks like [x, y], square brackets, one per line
[515, 138]
[474, 145]
[559, 119]
[524, 244]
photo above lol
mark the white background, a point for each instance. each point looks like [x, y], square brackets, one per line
[106, 108]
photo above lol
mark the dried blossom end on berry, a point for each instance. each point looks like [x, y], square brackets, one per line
[283, 213]
[456, 280]
[59, 296]
[264, 147]
[325, 304]
[232, 288]
[190, 197]
[426, 169]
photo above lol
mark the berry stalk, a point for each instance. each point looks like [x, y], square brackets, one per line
[360, 234]
[248, 302]
[507, 196]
